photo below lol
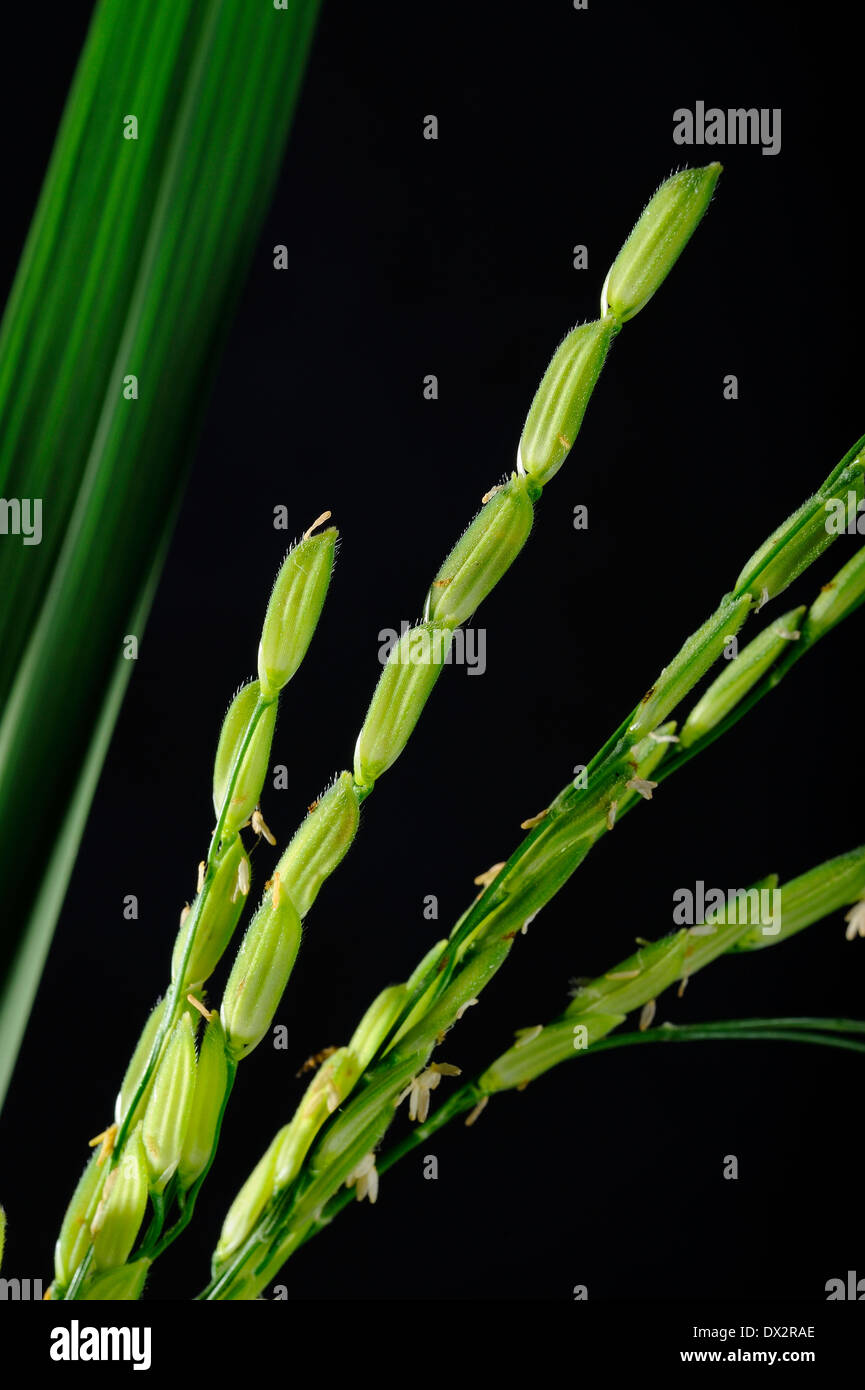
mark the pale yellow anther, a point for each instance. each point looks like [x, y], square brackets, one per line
[534, 820]
[106, 1139]
[647, 1014]
[683, 986]
[855, 920]
[319, 521]
[206, 1014]
[621, 974]
[419, 1088]
[764, 599]
[260, 827]
[526, 1035]
[486, 878]
[786, 634]
[611, 814]
[243, 876]
[642, 786]
[200, 884]
[492, 492]
[364, 1178]
[184, 913]
[478, 1110]
[277, 889]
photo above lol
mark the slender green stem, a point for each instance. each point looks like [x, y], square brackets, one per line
[823, 1032]
[597, 1010]
[734, 1025]
[820, 1031]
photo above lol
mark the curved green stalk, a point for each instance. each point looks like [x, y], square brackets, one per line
[598, 1008]
[819, 1031]
[823, 1032]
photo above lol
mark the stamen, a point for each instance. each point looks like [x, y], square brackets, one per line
[643, 786]
[260, 827]
[478, 1110]
[486, 878]
[206, 1014]
[648, 1013]
[242, 884]
[319, 520]
[106, 1139]
[855, 919]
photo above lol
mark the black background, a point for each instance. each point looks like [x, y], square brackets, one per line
[454, 257]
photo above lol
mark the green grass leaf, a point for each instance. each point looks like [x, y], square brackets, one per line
[135, 259]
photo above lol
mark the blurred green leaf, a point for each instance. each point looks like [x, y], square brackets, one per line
[136, 256]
